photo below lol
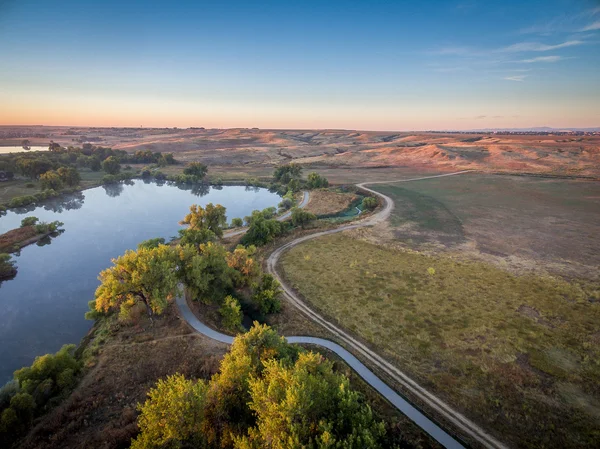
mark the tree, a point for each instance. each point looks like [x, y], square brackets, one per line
[69, 175]
[151, 243]
[266, 294]
[210, 218]
[54, 147]
[196, 169]
[231, 314]
[26, 144]
[111, 165]
[172, 414]
[261, 230]
[237, 222]
[205, 273]
[94, 163]
[51, 180]
[245, 267]
[324, 410]
[286, 204]
[285, 173]
[301, 217]
[146, 275]
[316, 181]
[369, 203]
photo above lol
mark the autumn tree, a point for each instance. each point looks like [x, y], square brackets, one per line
[69, 176]
[51, 180]
[231, 314]
[203, 223]
[316, 181]
[172, 414]
[244, 265]
[147, 275]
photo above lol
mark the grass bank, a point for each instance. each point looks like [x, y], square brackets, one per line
[518, 354]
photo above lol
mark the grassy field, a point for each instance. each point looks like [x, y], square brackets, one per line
[329, 201]
[519, 354]
[528, 222]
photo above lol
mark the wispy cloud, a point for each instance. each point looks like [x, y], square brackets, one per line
[515, 78]
[543, 59]
[591, 27]
[537, 46]
[564, 24]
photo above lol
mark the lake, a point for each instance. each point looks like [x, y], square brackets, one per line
[42, 308]
[6, 150]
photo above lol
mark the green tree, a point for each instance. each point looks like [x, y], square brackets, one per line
[285, 173]
[237, 222]
[51, 180]
[369, 203]
[29, 221]
[94, 163]
[196, 169]
[172, 414]
[7, 266]
[231, 314]
[205, 272]
[266, 294]
[146, 275]
[301, 217]
[316, 181]
[111, 165]
[261, 230]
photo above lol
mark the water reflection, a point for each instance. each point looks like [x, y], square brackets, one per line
[43, 306]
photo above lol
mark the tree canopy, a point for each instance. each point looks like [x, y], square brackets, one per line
[316, 181]
[147, 275]
[301, 217]
[196, 169]
[210, 218]
[267, 393]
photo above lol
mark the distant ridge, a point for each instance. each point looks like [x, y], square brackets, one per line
[536, 129]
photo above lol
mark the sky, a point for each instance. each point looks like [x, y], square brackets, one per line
[369, 65]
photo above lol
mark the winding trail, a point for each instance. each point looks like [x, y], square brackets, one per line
[463, 424]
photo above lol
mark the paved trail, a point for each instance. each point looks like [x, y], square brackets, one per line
[461, 422]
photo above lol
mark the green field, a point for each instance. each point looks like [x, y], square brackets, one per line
[518, 354]
[537, 222]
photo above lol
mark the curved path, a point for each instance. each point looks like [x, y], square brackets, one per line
[461, 422]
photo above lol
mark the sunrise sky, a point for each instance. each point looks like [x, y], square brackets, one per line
[378, 65]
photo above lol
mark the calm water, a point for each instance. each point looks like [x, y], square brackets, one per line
[4, 150]
[42, 308]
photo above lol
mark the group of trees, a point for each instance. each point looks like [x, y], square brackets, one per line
[34, 389]
[151, 275]
[56, 179]
[263, 227]
[266, 394]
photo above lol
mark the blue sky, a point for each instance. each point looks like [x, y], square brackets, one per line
[301, 64]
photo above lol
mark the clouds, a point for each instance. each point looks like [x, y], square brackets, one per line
[536, 46]
[542, 59]
[591, 27]
[518, 78]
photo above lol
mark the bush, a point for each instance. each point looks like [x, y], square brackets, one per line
[369, 203]
[266, 295]
[109, 179]
[30, 185]
[316, 181]
[111, 165]
[301, 217]
[29, 221]
[231, 314]
[151, 243]
[20, 201]
[237, 222]
[286, 204]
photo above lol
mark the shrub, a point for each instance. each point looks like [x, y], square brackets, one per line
[286, 204]
[301, 217]
[29, 221]
[231, 314]
[30, 185]
[369, 203]
[237, 222]
[316, 181]
[151, 243]
[266, 295]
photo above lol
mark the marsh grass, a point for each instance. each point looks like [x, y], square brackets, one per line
[519, 354]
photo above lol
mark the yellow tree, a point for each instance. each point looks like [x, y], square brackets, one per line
[210, 218]
[242, 262]
[147, 275]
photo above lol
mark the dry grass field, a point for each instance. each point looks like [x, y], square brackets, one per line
[518, 354]
[550, 154]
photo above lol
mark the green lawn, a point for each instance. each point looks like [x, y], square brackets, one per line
[518, 354]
